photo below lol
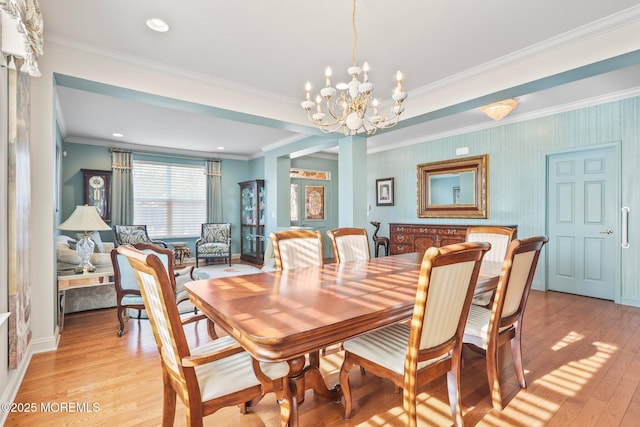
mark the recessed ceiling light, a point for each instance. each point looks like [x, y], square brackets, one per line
[117, 135]
[220, 148]
[157, 24]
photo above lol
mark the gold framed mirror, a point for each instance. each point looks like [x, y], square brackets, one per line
[454, 188]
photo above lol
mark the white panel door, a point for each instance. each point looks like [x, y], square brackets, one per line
[583, 230]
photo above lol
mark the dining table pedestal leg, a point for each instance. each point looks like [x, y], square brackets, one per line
[303, 377]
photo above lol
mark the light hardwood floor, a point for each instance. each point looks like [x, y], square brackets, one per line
[581, 357]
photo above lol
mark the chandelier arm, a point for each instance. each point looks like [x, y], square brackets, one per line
[331, 110]
[388, 122]
[392, 115]
[322, 124]
[371, 130]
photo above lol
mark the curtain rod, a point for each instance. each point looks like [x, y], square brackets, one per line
[147, 153]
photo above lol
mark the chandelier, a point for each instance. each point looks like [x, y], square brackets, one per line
[350, 111]
[498, 110]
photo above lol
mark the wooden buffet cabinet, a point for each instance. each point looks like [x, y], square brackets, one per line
[406, 238]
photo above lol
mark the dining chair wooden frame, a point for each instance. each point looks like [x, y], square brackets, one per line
[349, 244]
[489, 329]
[415, 353]
[297, 248]
[128, 295]
[209, 377]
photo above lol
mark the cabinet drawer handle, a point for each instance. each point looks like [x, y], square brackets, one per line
[401, 249]
[400, 238]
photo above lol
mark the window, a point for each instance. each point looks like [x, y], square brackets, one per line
[169, 198]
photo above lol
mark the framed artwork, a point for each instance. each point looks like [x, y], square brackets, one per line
[384, 192]
[314, 202]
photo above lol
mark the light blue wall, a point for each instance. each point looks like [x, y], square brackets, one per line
[517, 162]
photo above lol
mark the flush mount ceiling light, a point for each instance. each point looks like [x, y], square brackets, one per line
[117, 134]
[349, 111]
[157, 24]
[498, 110]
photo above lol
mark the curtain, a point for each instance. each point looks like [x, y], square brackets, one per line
[121, 188]
[214, 190]
[23, 20]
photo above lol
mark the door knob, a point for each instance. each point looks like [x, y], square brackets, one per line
[607, 232]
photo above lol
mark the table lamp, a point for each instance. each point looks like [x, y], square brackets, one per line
[85, 219]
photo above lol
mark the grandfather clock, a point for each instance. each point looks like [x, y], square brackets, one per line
[97, 191]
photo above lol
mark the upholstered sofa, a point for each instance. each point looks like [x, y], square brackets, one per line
[66, 255]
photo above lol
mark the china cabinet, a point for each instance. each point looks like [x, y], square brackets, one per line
[252, 211]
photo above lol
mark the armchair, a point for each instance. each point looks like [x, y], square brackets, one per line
[132, 234]
[127, 290]
[214, 243]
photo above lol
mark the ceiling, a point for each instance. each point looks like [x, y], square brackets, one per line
[270, 49]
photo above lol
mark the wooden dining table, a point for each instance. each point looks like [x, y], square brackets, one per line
[285, 315]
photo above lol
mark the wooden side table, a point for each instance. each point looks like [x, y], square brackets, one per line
[68, 279]
[180, 251]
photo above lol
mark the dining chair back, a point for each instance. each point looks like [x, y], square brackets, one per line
[488, 329]
[297, 248]
[349, 244]
[206, 378]
[414, 353]
[128, 294]
[499, 238]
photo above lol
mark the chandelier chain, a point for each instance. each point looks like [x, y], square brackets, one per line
[354, 56]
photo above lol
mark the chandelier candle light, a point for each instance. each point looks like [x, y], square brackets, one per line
[350, 110]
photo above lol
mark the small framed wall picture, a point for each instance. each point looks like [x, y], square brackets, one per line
[384, 192]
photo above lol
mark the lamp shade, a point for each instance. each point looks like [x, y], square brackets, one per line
[84, 218]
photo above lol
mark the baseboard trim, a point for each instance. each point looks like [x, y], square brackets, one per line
[14, 381]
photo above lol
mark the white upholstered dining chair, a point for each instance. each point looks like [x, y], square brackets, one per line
[211, 376]
[489, 329]
[499, 238]
[297, 248]
[414, 353]
[349, 244]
